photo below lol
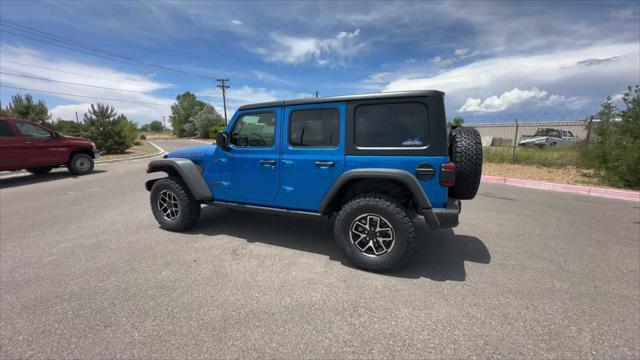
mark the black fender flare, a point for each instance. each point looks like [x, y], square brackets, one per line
[187, 171]
[401, 176]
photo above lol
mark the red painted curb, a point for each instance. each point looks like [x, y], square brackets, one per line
[576, 189]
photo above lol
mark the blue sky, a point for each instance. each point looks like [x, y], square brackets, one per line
[495, 60]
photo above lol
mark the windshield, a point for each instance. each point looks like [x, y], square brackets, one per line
[548, 132]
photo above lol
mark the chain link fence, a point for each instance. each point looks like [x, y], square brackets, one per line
[508, 134]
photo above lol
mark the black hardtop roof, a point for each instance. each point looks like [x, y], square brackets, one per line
[382, 95]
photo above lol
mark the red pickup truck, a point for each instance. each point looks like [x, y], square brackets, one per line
[27, 145]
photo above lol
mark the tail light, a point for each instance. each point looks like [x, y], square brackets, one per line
[448, 174]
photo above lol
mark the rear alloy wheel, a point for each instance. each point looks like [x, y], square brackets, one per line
[81, 164]
[173, 206]
[40, 170]
[374, 232]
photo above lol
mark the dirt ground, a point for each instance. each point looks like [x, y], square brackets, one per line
[567, 175]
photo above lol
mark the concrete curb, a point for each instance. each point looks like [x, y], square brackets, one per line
[160, 152]
[628, 195]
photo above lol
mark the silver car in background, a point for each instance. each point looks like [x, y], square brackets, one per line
[548, 137]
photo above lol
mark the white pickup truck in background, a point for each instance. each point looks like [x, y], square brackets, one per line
[548, 137]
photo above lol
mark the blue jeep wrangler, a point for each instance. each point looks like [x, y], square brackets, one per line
[372, 163]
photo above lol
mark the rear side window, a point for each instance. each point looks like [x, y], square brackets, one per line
[398, 125]
[5, 130]
[315, 128]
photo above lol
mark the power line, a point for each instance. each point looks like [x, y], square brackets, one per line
[82, 96]
[86, 49]
[65, 72]
[78, 84]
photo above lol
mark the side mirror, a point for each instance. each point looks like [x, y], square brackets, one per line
[55, 135]
[222, 140]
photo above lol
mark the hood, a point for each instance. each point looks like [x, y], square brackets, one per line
[534, 140]
[194, 152]
[74, 138]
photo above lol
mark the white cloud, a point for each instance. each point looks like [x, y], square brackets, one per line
[128, 90]
[436, 59]
[504, 101]
[344, 34]
[461, 52]
[545, 68]
[411, 61]
[556, 71]
[328, 51]
[236, 22]
[572, 103]
[516, 97]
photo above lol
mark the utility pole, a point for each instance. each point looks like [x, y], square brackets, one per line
[78, 121]
[224, 96]
[316, 94]
[164, 124]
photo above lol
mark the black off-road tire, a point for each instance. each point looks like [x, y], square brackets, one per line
[81, 164]
[465, 150]
[40, 170]
[389, 210]
[189, 208]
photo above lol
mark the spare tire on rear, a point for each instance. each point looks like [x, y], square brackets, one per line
[465, 150]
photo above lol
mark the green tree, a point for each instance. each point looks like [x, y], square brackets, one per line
[68, 127]
[110, 132]
[185, 107]
[156, 126]
[205, 119]
[26, 108]
[457, 121]
[615, 151]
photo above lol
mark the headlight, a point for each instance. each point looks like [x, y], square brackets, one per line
[93, 145]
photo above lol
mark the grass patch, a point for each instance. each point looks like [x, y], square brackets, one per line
[145, 148]
[551, 156]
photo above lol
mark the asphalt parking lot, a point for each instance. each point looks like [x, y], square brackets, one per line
[85, 272]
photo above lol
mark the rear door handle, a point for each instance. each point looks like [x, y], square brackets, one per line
[267, 162]
[325, 164]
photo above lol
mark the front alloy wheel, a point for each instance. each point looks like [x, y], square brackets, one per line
[173, 205]
[168, 205]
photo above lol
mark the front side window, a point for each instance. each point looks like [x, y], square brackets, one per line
[400, 125]
[315, 128]
[30, 130]
[254, 130]
[5, 130]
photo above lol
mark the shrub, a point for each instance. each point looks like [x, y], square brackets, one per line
[70, 128]
[616, 150]
[143, 137]
[155, 126]
[215, 129]
[110, 133]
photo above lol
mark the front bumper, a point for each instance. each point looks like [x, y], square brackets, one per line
[446, 217]
[96, 154]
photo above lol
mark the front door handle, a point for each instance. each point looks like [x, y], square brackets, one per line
[265, 162]
[325, 164]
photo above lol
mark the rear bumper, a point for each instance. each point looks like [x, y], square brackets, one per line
[446, 217]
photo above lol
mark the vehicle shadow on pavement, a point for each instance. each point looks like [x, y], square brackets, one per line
[28, 179]
[440, 255]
